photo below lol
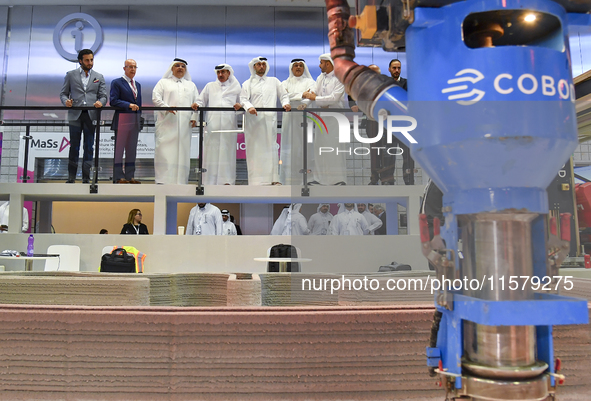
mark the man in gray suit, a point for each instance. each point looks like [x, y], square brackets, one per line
[83, 87]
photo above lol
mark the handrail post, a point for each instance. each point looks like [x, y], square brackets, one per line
[25, 176]
[304, 170]
[200, 190]
[97, 140]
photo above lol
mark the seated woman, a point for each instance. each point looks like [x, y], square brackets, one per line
[134, 223]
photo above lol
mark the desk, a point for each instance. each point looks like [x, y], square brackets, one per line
[29, 259]
[282, 261]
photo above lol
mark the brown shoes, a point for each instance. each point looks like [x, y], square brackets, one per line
[124, 181]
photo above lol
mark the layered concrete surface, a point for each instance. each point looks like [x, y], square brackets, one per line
[234, 353]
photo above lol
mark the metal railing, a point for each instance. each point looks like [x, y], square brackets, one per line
[201, 110]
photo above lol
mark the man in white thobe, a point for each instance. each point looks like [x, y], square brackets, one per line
[279, 225]
[205, 219]
[299, 225]
[291, 222]
[219, 148]
[172, 153]
[299, 81]
[348, 222]
[260, 131]
[5, 216]
[320, 221]
[373, 223]
[228, 228]
[329, 167]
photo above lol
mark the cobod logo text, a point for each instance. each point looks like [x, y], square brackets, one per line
[504, 84]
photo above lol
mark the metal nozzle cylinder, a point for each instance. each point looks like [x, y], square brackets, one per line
[497, 250]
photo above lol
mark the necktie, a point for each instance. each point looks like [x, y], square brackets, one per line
[134, 89]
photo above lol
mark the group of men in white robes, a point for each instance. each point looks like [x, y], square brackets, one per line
[351, 219]
[173, 128]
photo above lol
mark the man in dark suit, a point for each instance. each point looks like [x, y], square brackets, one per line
[83, 87]
[126, 93]
[408, 164]
[379, 211]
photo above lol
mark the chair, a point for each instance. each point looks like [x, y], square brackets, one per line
[69, 259]
[107, 249]
[285, 251]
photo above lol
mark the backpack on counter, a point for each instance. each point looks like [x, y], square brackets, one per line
[118, 261]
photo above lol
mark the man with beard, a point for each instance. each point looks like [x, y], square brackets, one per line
[329, 93]
[373, 222]
[299, 81]
[408, 164]
[219, 148]
[320, 221]
[172, 153]
[83, 87]
[260, 133]
[348, 221]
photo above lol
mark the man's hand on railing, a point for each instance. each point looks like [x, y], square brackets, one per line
[98, 104]
[237, 106]
[252, 110]
[69, 103]
[287, 107]
[134, 107]
[195, 106]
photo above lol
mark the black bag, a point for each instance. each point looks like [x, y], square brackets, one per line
[118, 261]
[283, 251]
[394, 267]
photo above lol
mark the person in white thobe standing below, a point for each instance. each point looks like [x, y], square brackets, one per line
[219, 148]
[260, 131]
[329, 167]
[299, 81]
[172, 153]
[228, 228]
[205, 219]
[373, 223]
[348, 221]
[320, 221]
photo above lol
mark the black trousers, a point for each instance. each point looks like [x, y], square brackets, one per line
[82, 125]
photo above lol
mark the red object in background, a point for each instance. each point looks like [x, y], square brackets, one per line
[583, 193]
[587, 261]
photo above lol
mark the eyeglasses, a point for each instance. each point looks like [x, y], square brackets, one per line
[138, 214]
[131, 66]
[179, 66]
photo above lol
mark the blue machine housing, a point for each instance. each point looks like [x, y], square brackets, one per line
[495, 124]
[501, 150]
